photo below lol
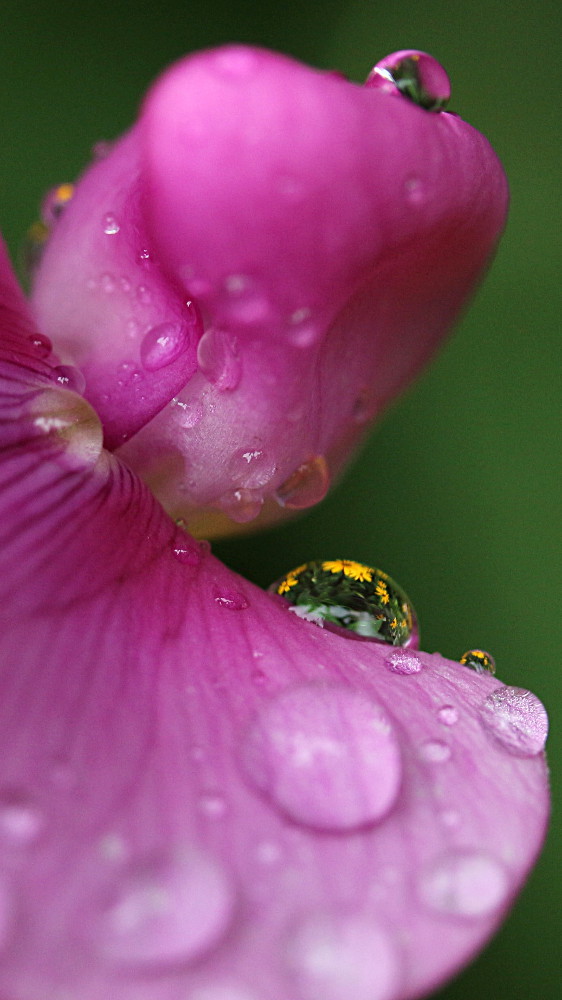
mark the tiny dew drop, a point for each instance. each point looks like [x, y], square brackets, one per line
[41, 345]
[414, 75]
[345, 594]
[233, 600]
[110, 225]
[448, 715]
[306, 486]
[516, 719]
[479, 660]
[186, 550]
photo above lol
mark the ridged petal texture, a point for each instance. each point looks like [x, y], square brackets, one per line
[202, 796]
[257, 269]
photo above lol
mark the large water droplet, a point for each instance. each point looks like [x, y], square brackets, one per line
[306, 486]
[233, 600]
[166, 913]
[327, 756]
[343, 957]
[251, 467]
[21, 819]
[218, 359]
[348, 595]
[241, 505]
[516, 719]
[110, 225]
[162, 345]
[415, 75]
[465, 883]
[70, 422]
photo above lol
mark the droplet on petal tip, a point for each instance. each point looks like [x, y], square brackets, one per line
[353, 597]
[479, 660]
[414, 75]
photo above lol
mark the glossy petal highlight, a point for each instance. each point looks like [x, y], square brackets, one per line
[326, 235]
[201, 795]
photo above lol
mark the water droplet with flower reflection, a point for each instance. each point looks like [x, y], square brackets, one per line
[327, 756]
[414, 75]
[345, 594]
[479, 660]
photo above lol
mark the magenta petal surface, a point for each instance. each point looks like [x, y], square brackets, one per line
[326, 236]
[203, 797]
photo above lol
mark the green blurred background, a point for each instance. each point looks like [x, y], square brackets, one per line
[457, 493]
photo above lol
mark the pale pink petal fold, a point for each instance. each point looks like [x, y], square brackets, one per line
[252, 273]
[203, 797]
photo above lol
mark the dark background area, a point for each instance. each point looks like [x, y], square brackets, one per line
[457, 494]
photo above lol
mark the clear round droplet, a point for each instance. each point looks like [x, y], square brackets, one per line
[41, 345]
[110, 225]
[21, 819]
[232, 600]
[327, 756]
[468, 884]
[241, 505]
[186, 550]
[516, 719]
[306, 486]
[414, 75]
[448, 715]
[350, 596]
[435, 751]
[107, 283]
[162, 345]
[302, 330]
[69, 377]
[343, 957]
[164, 913]
[218, 359]
[402, 662]
[415, 191]
[70, 422]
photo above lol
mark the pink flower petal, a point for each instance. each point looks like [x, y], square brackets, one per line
[203, 796]
[327, 233]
